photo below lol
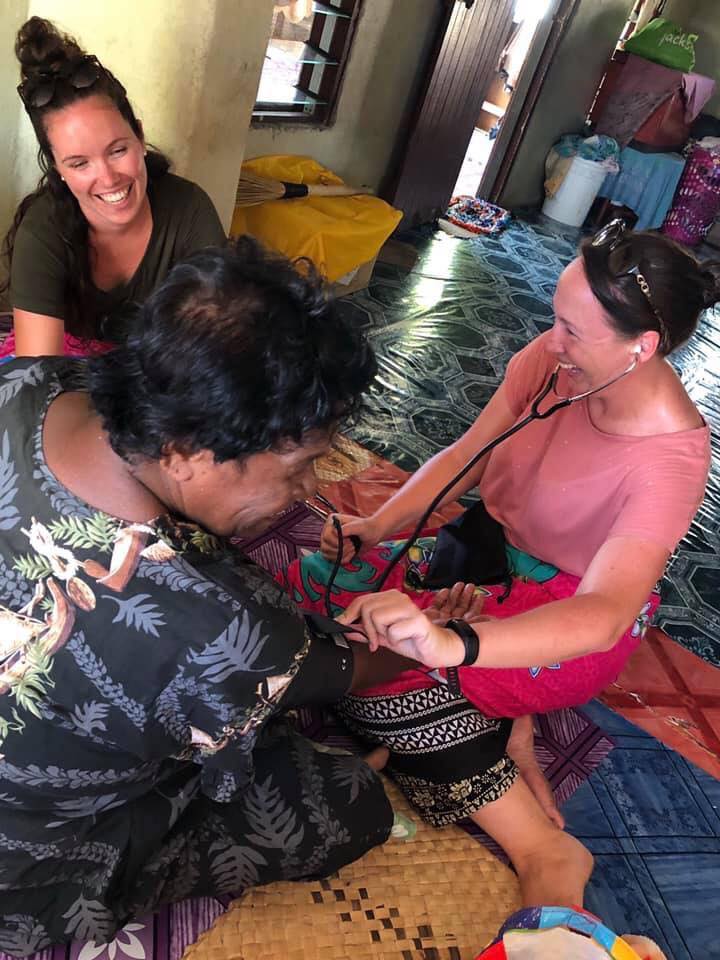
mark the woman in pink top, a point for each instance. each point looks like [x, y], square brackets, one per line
[592, 502]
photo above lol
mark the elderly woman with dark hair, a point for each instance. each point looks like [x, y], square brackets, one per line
[143, 661]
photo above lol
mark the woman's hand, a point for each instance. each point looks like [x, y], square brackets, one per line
[390, 619]
[462, 602]
[364, 528]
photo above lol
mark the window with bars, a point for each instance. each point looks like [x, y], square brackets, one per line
[308, 49]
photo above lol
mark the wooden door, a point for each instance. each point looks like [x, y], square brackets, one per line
[471, 37]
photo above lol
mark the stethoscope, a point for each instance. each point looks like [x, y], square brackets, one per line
[534, 414]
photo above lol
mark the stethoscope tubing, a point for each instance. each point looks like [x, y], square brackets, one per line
[534, 414]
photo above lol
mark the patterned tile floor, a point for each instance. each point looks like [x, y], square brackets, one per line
[444, 327]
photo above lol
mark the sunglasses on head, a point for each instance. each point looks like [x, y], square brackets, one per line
[38, 91]
[610, 236]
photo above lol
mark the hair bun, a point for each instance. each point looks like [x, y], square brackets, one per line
[40, 46]
[710, 273]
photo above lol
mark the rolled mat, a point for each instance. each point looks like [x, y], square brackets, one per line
[426, 893]
[345, 459]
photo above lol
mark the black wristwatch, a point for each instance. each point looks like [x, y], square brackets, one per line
[471, 642]
[470, 639]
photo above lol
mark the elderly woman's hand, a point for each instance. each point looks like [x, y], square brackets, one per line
[390, 619]
[363, 528]
[464, 601]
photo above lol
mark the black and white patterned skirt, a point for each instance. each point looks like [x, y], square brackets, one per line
[447, 757]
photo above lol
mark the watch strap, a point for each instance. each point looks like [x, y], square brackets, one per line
[470, 640]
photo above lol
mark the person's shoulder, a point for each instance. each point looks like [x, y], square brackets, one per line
[537, 350]
[676, 447]
[531, 365]
[41, 260]
[187, 213]
[33, 370]
[40, 216]
[26, 382]
[171, 189]
[682, 410]
[674, 422]
[687, 438]
[24, 370]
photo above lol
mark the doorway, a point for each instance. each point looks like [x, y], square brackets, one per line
[501, 91]
[472, 35]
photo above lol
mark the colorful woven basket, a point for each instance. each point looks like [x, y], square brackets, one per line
[697, 199]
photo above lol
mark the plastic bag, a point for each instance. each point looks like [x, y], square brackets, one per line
[663, 41]
[598, 148]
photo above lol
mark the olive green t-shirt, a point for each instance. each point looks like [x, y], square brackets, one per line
[184, 220]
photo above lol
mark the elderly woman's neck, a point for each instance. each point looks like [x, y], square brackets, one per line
[157, 483]
[78, 452]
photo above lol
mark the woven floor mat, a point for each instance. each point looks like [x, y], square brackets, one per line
[435, 895]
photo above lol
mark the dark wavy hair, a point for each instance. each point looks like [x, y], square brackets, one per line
[44, 51]
[679, 286]
[237, 351]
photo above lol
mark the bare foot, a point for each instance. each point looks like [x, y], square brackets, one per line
[552, 866]
[377, 758]
[555, 873]
[521, 749]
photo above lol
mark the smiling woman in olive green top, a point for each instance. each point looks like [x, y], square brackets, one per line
[107, 221]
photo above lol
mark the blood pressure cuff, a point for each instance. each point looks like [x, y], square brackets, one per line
[326, 673]
[469, 549]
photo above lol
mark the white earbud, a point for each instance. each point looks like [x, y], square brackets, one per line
[634, 358]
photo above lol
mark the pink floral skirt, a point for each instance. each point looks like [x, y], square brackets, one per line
[72, 347]
[508, 692]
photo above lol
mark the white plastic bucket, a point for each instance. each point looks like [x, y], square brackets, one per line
[574, 197]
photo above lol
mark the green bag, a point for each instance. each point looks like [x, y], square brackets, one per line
[663, 41]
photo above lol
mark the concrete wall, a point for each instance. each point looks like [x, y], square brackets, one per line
[677, 10]
[12, 14]
[572, 80]
[390, 48]
[191, 71]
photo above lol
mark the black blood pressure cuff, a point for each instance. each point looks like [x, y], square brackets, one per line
[326, 672]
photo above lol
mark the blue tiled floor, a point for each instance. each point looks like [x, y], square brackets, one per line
[652, 820]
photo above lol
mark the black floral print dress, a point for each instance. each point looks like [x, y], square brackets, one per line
[143, 757]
